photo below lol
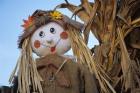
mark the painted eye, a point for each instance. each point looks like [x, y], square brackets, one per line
[41, 34]
[52, 30]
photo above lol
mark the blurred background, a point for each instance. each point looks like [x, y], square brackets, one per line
[12, 13]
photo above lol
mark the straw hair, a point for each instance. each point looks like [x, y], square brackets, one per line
[84, 56]
[28, 77]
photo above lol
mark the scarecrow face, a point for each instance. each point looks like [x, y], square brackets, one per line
[50, 39]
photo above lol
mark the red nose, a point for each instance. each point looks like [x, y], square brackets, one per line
[53, 49]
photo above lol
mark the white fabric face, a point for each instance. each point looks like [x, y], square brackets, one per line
[50, 39]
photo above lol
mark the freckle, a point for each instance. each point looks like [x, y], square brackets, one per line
[64, 35]
[37, 44]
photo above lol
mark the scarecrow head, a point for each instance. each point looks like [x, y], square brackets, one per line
[48, 32]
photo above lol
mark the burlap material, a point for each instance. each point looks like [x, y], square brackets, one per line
[72, 78]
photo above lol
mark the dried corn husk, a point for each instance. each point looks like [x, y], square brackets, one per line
[116, 25]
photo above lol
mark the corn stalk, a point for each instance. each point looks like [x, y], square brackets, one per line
[116, 25]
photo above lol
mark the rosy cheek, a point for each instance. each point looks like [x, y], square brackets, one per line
[37, 44]
[64, 35]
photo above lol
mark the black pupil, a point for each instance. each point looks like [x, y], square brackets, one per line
[41, 34]
[52, 30]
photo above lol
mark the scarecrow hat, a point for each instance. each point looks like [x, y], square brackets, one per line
[40, 18]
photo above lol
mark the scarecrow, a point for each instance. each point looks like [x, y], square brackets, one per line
[50, 34]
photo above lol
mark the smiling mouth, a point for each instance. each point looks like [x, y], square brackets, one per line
[52, 48]
[45, 45]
